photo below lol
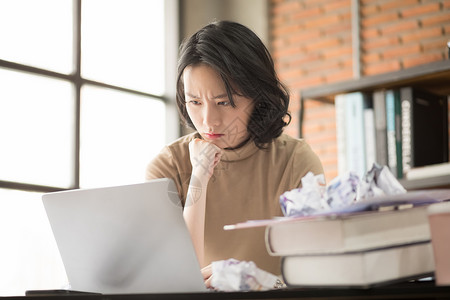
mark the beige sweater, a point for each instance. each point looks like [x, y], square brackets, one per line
[246, 185]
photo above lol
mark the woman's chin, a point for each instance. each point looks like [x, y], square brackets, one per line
[219, 144]
[222, 142]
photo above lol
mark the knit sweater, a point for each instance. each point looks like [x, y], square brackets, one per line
[245, 185]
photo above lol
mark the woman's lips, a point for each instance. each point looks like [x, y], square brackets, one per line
[213, 136]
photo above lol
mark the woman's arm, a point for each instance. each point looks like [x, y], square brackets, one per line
[204, 157]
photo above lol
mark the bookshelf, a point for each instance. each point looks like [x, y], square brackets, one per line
[433, 77]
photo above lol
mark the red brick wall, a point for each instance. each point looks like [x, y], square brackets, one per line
[311, 43]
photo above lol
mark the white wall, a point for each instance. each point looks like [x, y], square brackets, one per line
[251, 13]
[194, 14]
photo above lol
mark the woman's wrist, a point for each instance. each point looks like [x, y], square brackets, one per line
[200, 178]
[197, 188]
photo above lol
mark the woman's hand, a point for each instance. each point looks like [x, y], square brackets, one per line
[207, 275]
[204, 158]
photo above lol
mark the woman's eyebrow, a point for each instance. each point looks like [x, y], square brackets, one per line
[221, 96]
[191, 96]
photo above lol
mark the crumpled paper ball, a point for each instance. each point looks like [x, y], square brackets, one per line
[234, 275]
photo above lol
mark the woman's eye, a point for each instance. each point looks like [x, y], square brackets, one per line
[195, 102]
[224, 103]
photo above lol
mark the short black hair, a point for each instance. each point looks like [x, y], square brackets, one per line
[246, 68]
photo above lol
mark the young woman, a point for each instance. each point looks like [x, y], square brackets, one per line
[237, 164]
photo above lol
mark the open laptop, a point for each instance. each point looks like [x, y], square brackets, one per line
[124, 239]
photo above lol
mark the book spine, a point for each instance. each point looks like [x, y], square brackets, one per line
[340, 133]
[398, 133]
[446, 132]
[379, 106]
[369, 132]
[355, 148]
[390, 132]
[430, 130]
[406, 96]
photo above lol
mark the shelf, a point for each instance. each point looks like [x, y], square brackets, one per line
[433, 77]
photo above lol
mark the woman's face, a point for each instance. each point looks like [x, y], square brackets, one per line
[210, 109]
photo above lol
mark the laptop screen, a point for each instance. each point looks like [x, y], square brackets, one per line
[124, 239]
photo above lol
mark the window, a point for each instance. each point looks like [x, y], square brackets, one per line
[84, 102]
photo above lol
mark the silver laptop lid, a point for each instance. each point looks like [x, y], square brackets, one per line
[124, 239]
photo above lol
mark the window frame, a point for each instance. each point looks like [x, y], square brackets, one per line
[168, 98]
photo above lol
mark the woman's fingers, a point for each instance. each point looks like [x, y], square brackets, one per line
[208, 283]
[204, 157]
[207, 275]
[206, 272]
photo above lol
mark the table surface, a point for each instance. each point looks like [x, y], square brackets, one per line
[408, 290]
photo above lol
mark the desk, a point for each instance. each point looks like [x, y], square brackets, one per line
[410, 290]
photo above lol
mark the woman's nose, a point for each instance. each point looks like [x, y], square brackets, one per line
[211, 116]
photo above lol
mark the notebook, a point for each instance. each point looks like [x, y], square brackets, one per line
[124, 239]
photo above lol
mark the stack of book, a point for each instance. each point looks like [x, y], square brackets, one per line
[353, 250]
[372, 242]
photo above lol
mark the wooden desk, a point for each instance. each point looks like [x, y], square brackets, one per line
[410, 290]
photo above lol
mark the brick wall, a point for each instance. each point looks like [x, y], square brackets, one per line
[311, 43]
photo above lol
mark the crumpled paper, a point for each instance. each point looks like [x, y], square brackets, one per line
[379, 181]
[305, 200]
[314, 197]
[234, 275]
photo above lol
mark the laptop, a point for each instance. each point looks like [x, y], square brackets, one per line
[125, 239]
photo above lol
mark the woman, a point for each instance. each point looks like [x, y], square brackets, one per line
[237, 164]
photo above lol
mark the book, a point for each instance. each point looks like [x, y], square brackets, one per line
[341, 140]
[347, 232]
[393, 132]
[428, 171]
[398, 133]
[354, 133]
[424, 128]
[379, 106]
[373, 223]
[369, 133]
[359, 269]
